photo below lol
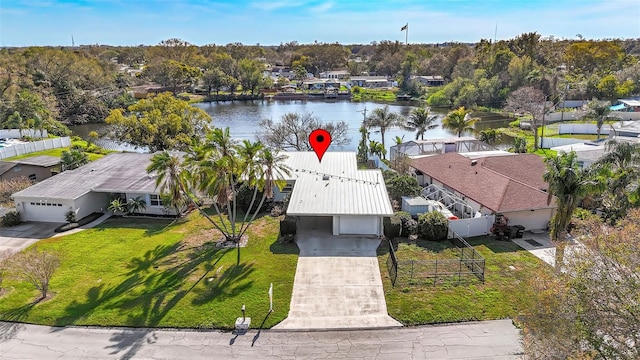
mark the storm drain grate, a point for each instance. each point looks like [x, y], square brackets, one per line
[533, 242]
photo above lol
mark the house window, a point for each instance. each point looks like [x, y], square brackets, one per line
[32, 177]
[287, 188]
[17, 168]
[155, 200]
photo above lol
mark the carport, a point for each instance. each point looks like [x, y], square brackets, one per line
[342, 206]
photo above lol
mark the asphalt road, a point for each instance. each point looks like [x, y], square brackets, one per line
[479, 340]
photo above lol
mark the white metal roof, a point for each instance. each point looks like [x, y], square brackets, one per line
[356, 192]
[334, 163]
[630, 102]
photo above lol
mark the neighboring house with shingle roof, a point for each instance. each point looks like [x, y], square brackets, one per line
[508, 185]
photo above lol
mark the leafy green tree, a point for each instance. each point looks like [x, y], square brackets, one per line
[459, 121]
[15, 121]
[402, 185]
[73, 159]
[215, 79]
[250, 74]
[173, 74]
[420, 120]
[159, 123]
[384, 119]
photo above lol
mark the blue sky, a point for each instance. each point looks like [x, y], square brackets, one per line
[133, 22]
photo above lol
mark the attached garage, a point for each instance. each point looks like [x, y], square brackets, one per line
[43, 211]
[356, 225]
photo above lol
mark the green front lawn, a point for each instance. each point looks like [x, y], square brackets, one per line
[52, 152]
[504, 293]
[156, 273]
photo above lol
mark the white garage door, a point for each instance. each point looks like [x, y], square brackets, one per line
[53, 212]
[359, 225]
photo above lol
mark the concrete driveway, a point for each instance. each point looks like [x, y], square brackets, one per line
[337, 283]
[19, 237]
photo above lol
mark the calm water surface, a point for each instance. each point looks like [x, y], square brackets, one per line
[242, 118]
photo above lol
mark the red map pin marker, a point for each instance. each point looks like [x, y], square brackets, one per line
[320, 140]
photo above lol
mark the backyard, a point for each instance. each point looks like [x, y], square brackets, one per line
[159, 273]
[504, 293]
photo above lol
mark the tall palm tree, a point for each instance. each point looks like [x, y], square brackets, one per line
[569, 184]
[421, 120]
[169, 176]
[600, 111]
[383, 119]
[459, 121]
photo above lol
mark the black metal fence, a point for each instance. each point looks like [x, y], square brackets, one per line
[469, 266]
[392, 264]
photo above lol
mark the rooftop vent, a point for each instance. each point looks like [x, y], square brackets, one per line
[325, 177]
[474, 162]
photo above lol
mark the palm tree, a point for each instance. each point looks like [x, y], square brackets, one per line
[136, 205]
[398, 140]
[421, 120]
[169, 178]
[116, 205]
[459, 121]
[376, 148]
[569, 184]
[600, 111]
[383, 119]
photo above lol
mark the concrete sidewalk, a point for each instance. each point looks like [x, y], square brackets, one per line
[95, 222]
[497, 339]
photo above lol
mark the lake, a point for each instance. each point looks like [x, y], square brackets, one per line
[242, 118]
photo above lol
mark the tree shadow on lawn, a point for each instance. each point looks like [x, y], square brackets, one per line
[278, 247]
[151, 226]
[155, 291]
[230, 283]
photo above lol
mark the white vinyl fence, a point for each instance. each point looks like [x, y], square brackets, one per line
[31, 147]
[591, 129]
[472, 227]
[548, 143]
[16, 134]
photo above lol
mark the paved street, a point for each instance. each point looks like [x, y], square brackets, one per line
[480, 340]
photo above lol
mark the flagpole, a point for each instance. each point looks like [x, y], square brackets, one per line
[406, 35]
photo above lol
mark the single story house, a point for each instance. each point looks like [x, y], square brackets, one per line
[428, 80]
[335, 74]
[332, 192]
[320, 84]
[627, 105]
[507, 185]
[89, 188]
[35, 168]
[371, 81]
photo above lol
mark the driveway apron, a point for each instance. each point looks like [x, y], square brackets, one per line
[337, 283]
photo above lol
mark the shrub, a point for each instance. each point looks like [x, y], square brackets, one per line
[288, 226]
[409, 226]
[392, 226]
[402, 185]
[356, 89]
[244, 196]
[276, 211]
[433, 226]
[70, 216]
[95, 149]
[12, 218]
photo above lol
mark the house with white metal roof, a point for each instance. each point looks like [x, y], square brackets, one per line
[355, 201]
